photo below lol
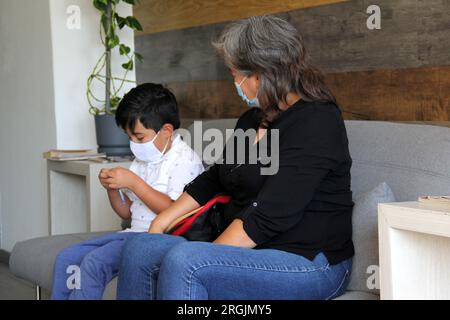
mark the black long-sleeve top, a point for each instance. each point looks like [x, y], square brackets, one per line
[306, 207]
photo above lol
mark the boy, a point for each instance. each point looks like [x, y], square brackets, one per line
[164, 164]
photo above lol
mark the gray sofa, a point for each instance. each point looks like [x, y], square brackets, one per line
[412, 159]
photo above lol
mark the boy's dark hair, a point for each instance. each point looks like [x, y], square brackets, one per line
[150, 103]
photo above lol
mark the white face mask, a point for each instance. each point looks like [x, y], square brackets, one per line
[147, 151]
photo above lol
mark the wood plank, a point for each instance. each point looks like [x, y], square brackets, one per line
[208, 99]
[389, 95]
[397, 95]
[163, 15]
[414, 34]
[179, 56]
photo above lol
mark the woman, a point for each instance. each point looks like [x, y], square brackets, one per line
[289, 234]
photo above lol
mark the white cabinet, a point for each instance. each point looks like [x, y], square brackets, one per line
[414, 240]
[77, 201]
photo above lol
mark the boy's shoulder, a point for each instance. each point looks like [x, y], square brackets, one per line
[181, 152]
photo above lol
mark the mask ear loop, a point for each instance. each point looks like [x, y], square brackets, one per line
[243, 81]
[167, 144]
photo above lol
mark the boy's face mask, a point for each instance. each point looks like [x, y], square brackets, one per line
[147, 151]
[251, 103]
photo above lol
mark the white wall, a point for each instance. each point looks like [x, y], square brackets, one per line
[27, 121]
[43, 72]
[75, 53]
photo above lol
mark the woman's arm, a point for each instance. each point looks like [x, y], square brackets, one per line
[183, 205]
[236, 236]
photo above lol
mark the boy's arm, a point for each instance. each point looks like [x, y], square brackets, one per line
[153, 199]
[120, 178]
[122, 209]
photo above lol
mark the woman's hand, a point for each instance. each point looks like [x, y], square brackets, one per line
[118, 178]
[158, 226]
[184, 204]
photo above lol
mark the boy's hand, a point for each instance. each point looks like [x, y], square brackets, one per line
[118, 178]
[102, 176]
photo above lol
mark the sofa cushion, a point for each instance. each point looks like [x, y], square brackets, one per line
[358, 295]
[412, 159]
[33, 260]
[365, 238]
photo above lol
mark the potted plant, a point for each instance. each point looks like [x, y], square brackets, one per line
[110, 138]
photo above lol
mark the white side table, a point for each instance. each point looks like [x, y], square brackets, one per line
[77, 201]
[414, 242]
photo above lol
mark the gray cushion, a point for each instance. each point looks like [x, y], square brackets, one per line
[365, 236]
[110, 290]
[412, 159]
[33, 260]
[358, 295]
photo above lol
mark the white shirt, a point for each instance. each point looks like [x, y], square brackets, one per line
[180, 165]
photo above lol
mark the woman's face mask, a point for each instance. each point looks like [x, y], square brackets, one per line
[147, 151]
[251, 103]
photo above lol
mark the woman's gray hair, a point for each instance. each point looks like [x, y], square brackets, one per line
[273, 49]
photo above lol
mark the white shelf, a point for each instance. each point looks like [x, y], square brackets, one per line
[414, 240]
[77, 201]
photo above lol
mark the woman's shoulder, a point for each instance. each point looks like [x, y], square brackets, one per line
[311, 117]
[250, 119]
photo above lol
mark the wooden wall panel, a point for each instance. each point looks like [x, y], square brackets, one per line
[414, 34]
[397, 95]
[398, 73]
[208, 99]
[163, 15]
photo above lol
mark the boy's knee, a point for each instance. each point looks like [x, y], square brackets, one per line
[91, 264]
[66, 255]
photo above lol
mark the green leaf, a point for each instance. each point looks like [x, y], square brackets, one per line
[124, 50]
[113, 41]
[101, 5]
[114, 102]
[104, 20]
[133, 23]
[128, 66]
[138, 56]
[121, 22]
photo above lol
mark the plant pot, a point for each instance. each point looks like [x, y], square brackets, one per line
[110, 138]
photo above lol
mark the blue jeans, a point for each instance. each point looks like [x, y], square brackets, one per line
[96, 261]
[156, 266]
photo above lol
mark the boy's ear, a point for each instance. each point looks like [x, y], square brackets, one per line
[168, 129]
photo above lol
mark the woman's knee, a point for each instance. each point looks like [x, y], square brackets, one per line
[146, 248]
[186, 255]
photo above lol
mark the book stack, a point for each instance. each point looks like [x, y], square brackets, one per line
[70, 155]
[443, 200]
